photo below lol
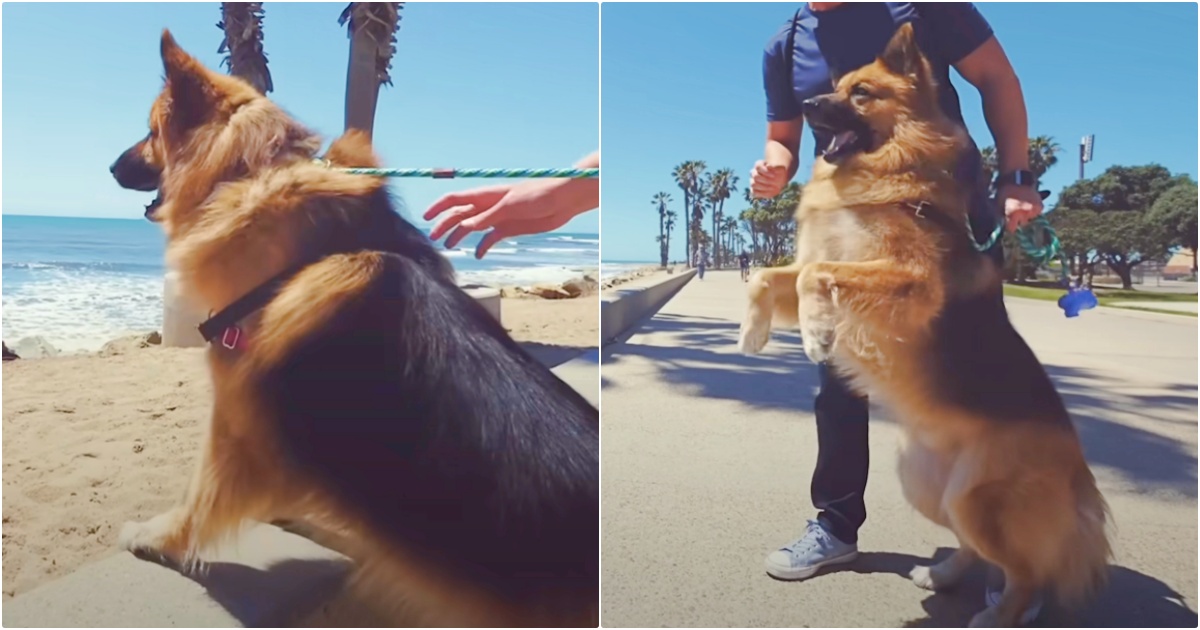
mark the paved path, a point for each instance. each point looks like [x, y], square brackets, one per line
[708, 456]
[1183, 307]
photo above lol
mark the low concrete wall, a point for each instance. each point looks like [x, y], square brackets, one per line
[622, 308]
[271, 578]
[181, 317]
[266, 580]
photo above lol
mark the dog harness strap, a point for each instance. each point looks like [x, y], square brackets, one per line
[222, 323]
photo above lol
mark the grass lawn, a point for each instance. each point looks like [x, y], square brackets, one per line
[1107, 297]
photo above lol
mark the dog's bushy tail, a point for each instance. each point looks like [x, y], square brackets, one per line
[353, 150]
[1083, 560]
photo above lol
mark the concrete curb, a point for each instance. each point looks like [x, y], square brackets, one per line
[268, 580]
[623, 308]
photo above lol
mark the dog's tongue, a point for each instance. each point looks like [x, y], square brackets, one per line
[840, 141]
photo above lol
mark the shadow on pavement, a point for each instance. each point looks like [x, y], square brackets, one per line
[1152, 462]
[705, 359]
[1131, 599]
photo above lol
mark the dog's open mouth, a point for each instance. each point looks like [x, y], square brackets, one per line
[152, 208]
[846, 142]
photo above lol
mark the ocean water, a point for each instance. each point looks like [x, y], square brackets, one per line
[80, 283]
[612, 268]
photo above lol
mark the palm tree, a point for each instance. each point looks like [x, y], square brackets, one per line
[670, 226]
[372, 28]
[699, 196]
[721, 187]
[687, 177]
[683, 173]
[660, 201]
[242, 45]
[729, 226]
[1043, 153]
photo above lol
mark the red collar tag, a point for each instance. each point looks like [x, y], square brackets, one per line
[233, 339]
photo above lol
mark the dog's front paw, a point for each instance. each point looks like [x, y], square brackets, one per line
[156, 539]
[753, 337]
[818, 337]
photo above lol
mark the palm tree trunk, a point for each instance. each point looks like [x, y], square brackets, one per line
[372, 28]
[687, 228]
[362, 86]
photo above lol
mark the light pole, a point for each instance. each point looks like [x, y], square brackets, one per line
[1085, 151]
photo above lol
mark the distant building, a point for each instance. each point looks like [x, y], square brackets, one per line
[1179, 266]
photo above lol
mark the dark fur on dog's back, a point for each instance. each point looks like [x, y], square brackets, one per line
[973, 342]
[415, 407]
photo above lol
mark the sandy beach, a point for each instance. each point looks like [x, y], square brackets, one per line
[92, 441]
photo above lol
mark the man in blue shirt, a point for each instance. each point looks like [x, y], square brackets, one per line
[828, 39]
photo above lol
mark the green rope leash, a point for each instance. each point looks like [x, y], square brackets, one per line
[487, 173]
[1040, 254]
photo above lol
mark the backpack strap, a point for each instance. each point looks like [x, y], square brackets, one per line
[789, 50]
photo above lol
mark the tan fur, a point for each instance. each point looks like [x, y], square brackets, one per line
[238, 196]
[867, 282]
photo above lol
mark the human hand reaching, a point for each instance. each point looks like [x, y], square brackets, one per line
[508, 210]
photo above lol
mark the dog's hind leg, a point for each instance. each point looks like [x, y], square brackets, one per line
[229, 485]
[772, 299]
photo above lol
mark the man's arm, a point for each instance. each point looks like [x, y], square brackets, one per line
[783, 144]
[988, 69]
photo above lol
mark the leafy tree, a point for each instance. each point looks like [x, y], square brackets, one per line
[1122, 233]
[1174, 213]
[1077, 234]
[772, 226]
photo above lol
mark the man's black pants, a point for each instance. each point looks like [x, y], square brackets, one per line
[839, 482]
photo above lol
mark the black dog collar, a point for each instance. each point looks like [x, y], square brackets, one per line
[225, 322]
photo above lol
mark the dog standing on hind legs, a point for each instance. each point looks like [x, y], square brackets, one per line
[889, 290]
[356, 387]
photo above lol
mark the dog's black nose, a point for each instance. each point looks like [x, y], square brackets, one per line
[112, 168]
[811, 105]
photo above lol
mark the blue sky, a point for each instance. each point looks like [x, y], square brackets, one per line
[475, 85]
[683, 81]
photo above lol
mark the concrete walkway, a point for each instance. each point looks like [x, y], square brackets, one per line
[708, 455]
[1182, 307]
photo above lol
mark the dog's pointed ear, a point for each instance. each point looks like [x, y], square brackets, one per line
[188, 84]
[902, 55]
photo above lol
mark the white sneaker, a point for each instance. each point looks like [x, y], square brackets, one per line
[804, 557]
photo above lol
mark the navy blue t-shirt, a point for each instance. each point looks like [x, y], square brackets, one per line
[830, 43]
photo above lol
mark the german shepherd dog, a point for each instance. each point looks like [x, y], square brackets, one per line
[889, 289]
[356, 387]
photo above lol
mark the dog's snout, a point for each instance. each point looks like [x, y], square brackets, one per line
[112, 168]
[812, 105]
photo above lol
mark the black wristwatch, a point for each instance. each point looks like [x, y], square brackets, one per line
[1019, 178]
